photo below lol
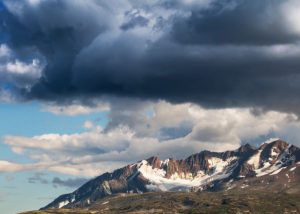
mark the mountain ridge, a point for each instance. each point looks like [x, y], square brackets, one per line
[201, 171]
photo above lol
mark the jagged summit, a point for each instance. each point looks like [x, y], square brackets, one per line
[246, 148]
[201, 171]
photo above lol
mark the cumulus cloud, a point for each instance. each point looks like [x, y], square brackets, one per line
[151, 129]
[22, 68]
[17, 73]
[217, 53]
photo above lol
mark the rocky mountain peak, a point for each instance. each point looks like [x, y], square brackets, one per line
[154, 161]
[246, 148]
[205, 170]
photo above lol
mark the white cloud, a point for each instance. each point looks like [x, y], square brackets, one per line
[20, 73]
[88, 124]
[83, 170]
[129, 141]
[17, 67]
[6, 166]
[290, 11]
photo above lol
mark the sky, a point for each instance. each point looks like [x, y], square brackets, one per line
[90, 86]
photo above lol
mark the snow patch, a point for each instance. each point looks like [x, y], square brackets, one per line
[292, 169]
[244, 186]
[277, 171]
[231, 187]
[264, 170]
[149, 172]
[273, 152]
[165, 162]
[218, 164]
[254, 160]
[184, 182]
[276, 167]
[271, 140]
[63, 203]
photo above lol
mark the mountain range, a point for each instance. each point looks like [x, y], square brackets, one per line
[274, 161]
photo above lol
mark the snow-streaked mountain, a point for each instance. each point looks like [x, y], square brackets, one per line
[202, 171]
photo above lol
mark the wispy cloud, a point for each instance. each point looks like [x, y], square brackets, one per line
[70, 183]
[9, 178]
[38, 177]
[75, 109]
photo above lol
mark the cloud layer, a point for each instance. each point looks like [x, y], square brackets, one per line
[148, 129]
[217, 53]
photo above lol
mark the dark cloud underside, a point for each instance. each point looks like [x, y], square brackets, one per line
[226, 53]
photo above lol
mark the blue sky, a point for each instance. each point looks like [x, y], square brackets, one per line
[28, 119]
[19, 195]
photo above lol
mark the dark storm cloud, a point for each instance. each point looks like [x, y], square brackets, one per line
[56, 29]
[221, 54]
[238, 22]
[135, 21]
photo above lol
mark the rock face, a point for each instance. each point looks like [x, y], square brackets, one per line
[202, 171]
